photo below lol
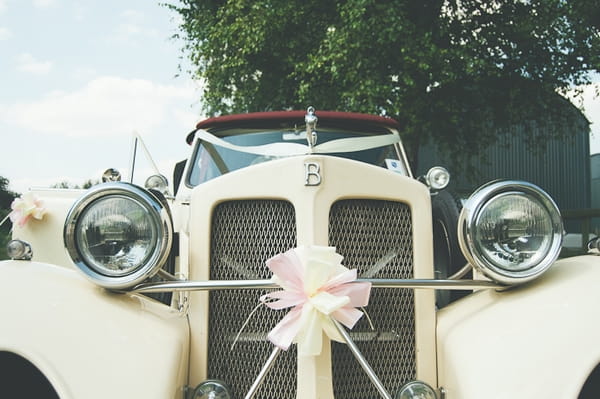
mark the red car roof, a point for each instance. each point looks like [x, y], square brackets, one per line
[291, 118]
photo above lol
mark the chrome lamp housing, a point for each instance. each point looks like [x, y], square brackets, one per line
[511, 231]
[118, 234]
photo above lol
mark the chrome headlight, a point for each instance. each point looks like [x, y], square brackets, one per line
[511, 231]
[118, 234]
[437, 178]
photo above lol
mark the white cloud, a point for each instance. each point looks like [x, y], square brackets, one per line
[104, 107]
[132, 14]
[43, 3]
[5, 33]
[132, 26]
[591, 104]
[589, 100]
[29, 64]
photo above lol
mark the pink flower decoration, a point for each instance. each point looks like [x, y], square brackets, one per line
[25, 207]
[318, 289]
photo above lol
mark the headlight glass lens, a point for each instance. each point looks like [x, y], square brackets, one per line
[513, 232]
[416, 390]
[116, 235]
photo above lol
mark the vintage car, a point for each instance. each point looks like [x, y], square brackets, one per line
[296, 256]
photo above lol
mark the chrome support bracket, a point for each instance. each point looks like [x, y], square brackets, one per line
[362, 361]
[263, 373]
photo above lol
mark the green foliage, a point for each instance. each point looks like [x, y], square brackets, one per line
[455, 71]
[86, 184]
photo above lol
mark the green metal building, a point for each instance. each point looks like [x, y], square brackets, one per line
[559, 166]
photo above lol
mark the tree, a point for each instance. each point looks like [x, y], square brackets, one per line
[456, 71]
[66, 184]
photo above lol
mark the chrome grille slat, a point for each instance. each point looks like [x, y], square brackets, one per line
[365, 232]
[244, 235]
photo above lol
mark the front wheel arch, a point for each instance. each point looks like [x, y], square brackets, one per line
[591, 388]
[21, 378]
[447, 256]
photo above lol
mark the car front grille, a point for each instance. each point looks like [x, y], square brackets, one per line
[244, 235]
[375, 237]
[368, 233]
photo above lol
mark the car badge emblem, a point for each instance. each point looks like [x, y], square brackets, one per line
[312, 174]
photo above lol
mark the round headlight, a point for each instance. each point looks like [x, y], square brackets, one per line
[511, 231]
[416, 390]
[211, 389]
[118, 234]
[437, 178]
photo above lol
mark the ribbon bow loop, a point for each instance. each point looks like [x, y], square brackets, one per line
[318, 288]
[26, 207]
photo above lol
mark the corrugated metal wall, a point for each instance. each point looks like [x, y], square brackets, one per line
[561, 167]
[595, 187]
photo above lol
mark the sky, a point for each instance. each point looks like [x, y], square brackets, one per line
[77, 77]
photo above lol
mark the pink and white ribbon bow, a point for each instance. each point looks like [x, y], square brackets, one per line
[318, 289]
[25, 207]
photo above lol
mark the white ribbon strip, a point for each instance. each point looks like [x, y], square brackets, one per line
[349, 144]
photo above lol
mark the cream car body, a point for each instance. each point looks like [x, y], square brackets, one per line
[534, 340]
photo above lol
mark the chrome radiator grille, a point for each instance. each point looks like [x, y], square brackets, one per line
[244, 235]
[375, 237]
[367, 233]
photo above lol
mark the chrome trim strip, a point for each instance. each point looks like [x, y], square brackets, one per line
[212, 285]
[433, 284]
[361, 360]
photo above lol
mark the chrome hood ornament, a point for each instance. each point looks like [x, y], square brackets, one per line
[311, 125]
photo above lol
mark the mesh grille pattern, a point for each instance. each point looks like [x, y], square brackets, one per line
[244, 235]
[367, 233]
[375, 237]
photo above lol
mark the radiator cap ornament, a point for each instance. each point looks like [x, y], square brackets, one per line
[311, 125]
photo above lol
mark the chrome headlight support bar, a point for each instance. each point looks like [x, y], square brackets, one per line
[213, 285]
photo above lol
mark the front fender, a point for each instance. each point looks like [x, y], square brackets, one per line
[88, 342]
[540, 340]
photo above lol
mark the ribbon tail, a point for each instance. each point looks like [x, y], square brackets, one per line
[332, 331]
[286, 330]
[310, 338]
[347, 316]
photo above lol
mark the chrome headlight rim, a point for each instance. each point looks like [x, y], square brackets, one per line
[159, 216]
[471, 211]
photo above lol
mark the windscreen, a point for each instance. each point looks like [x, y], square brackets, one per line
[212, 160]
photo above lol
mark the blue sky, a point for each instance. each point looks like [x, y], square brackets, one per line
[78, 76]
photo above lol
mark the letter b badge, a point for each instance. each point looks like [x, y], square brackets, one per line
[312, 174]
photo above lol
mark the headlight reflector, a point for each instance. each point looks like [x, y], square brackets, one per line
[416, 390]
[211, 389]
[437, 178]
[118, 234]
[511, 231]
